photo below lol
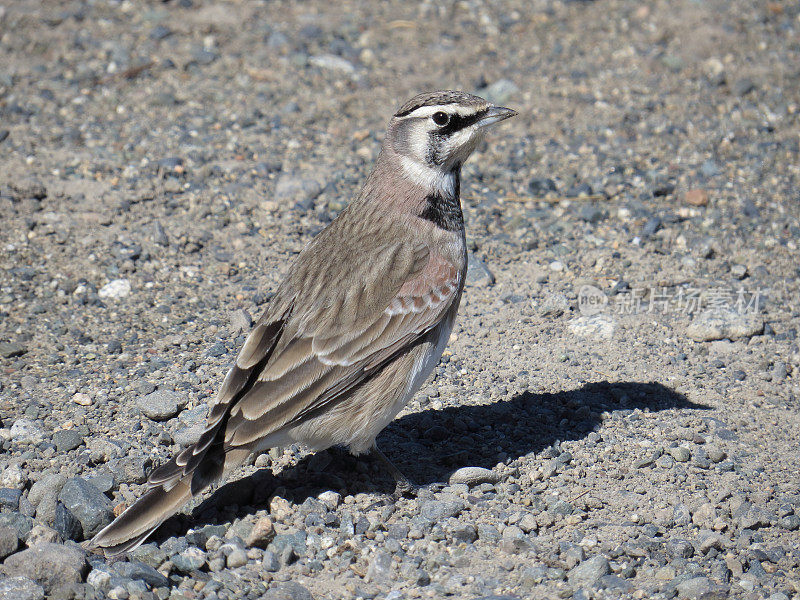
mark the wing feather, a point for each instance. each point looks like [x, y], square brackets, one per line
[323, 362]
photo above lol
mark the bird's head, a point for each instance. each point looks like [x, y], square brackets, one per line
[434, 133]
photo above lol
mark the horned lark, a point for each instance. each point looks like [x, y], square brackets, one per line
[356, 327]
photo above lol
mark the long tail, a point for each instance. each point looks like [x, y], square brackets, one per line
[171, 486]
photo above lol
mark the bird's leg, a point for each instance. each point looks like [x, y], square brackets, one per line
[402, 484]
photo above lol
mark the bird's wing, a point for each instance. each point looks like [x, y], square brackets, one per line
[332, 324]
[343, 334]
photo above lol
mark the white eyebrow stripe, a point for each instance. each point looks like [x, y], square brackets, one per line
[427, 111]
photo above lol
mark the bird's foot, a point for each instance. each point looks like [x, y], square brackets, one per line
[403, 485]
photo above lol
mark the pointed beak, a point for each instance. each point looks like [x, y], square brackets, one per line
[495, 114]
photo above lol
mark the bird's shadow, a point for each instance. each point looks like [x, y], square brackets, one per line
[429, 445]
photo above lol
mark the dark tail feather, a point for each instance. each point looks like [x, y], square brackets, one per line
[163, 500]
[142, 518]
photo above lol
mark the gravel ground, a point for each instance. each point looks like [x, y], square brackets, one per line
[617, 413]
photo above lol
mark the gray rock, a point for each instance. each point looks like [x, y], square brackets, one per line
[528, 523]
[88, 504]
[42, 534]
[552, 305]
[514, 540]
[439, 510]
[141, 572]
[237, 558]
[18, 522]
[149, 554]
[189, 560]
[533, 576]
[9, 498]
[701, 588]
[500, 92]
[20, 588]
[14, 478]
[46, 509]
[26, 431]
[591, 213]
[380, 567]
[289, 590]
[478, 274]
[739, 271]
[26, 508]
[779, 371]
[473, 476]
[743, 86]
[187, 436]
[790, 522]
[12, 349]
[573, 556]
[241, 321]
[488, 533]
[709, 168]
[461, 532]
[589, 572]
[331, 62]
[195, 416]
[397, 531]
[715, 453]
[217, 350]
[29, 188]
[65, 524]
[679, 453]
[131, 469]
[651, 226]
[49, 485]
[67, 439]
[539, 187]
[748, 516]
[145, 387]
[102, 479]
[710, 539]
[204, 57]
[159, 236]
[269, 562]
[561, 507]
[49, 565]
[99, 579]
[9, 541]
[724, 324]
[297, 191]
[680, 548]
[681, 515]
[288, 545]
[160, 405]
[615, 582]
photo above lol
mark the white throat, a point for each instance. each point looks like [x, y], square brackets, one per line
[435, 180]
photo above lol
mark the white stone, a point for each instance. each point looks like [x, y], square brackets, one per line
[82, 399]
[330, 499]
[116, 289]
[26, 431]
[13, 477]
[598, 326]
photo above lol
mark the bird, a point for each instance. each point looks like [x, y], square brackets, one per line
[359, 322]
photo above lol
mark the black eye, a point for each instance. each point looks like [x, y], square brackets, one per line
[441, 118]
